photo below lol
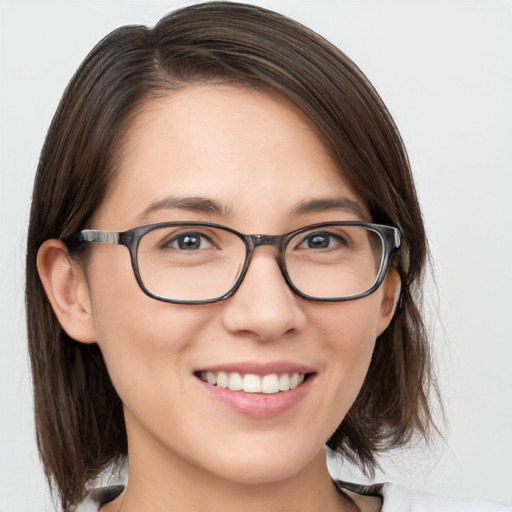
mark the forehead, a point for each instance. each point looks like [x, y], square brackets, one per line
[249, 151]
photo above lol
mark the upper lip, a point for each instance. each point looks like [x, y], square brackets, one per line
[259, 368]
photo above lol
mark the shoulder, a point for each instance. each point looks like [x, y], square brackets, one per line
[397, 498]
[98, 497]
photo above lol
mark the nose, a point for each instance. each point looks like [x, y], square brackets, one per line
[264, 307]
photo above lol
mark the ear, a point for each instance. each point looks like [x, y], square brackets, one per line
[391, 288]
[67, 290]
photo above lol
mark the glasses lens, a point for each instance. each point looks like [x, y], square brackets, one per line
[192, 262]
[334, 261]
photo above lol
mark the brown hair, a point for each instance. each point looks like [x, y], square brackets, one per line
[79, 418]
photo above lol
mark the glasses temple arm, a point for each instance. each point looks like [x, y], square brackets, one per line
[94, 235]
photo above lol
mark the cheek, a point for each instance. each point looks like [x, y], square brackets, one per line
[141, 339]
[147, 352]
[348, 339]
[349, 329]
[123, 315]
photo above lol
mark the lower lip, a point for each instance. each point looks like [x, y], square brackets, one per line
[259, 405]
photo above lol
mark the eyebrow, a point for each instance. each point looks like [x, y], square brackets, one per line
[331, 203]
[192, 204]
[211, 207]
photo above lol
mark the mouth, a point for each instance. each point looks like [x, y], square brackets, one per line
[258, 390]
[268, 384]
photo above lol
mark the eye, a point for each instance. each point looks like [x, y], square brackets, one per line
[322, 240]
[190, 241]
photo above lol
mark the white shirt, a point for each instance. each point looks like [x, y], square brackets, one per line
[398, 498]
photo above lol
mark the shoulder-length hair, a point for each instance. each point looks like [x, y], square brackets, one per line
[79, 417]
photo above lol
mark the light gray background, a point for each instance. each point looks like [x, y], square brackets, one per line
[444, 69]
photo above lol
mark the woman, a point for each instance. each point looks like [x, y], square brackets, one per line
[268, 300]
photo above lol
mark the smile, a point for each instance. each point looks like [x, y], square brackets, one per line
[258, 390]
[252, 383]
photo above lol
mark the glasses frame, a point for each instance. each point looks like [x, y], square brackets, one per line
[391, 238]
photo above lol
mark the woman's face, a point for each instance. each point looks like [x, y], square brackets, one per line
[252, 160]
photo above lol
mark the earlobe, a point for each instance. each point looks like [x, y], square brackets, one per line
[391, 287]
[67, 290]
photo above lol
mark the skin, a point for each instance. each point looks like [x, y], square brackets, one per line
[258, 158]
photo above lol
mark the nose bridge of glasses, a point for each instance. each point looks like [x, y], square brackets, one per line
[276, 241]
[273, 240]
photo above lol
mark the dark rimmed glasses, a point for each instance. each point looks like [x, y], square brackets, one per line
[200, 262]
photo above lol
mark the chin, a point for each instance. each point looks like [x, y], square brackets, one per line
[250, 472]
[265, 463]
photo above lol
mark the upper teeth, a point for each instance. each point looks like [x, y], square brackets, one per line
[251, 383]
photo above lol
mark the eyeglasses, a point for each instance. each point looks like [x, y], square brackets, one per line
[201, 263]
